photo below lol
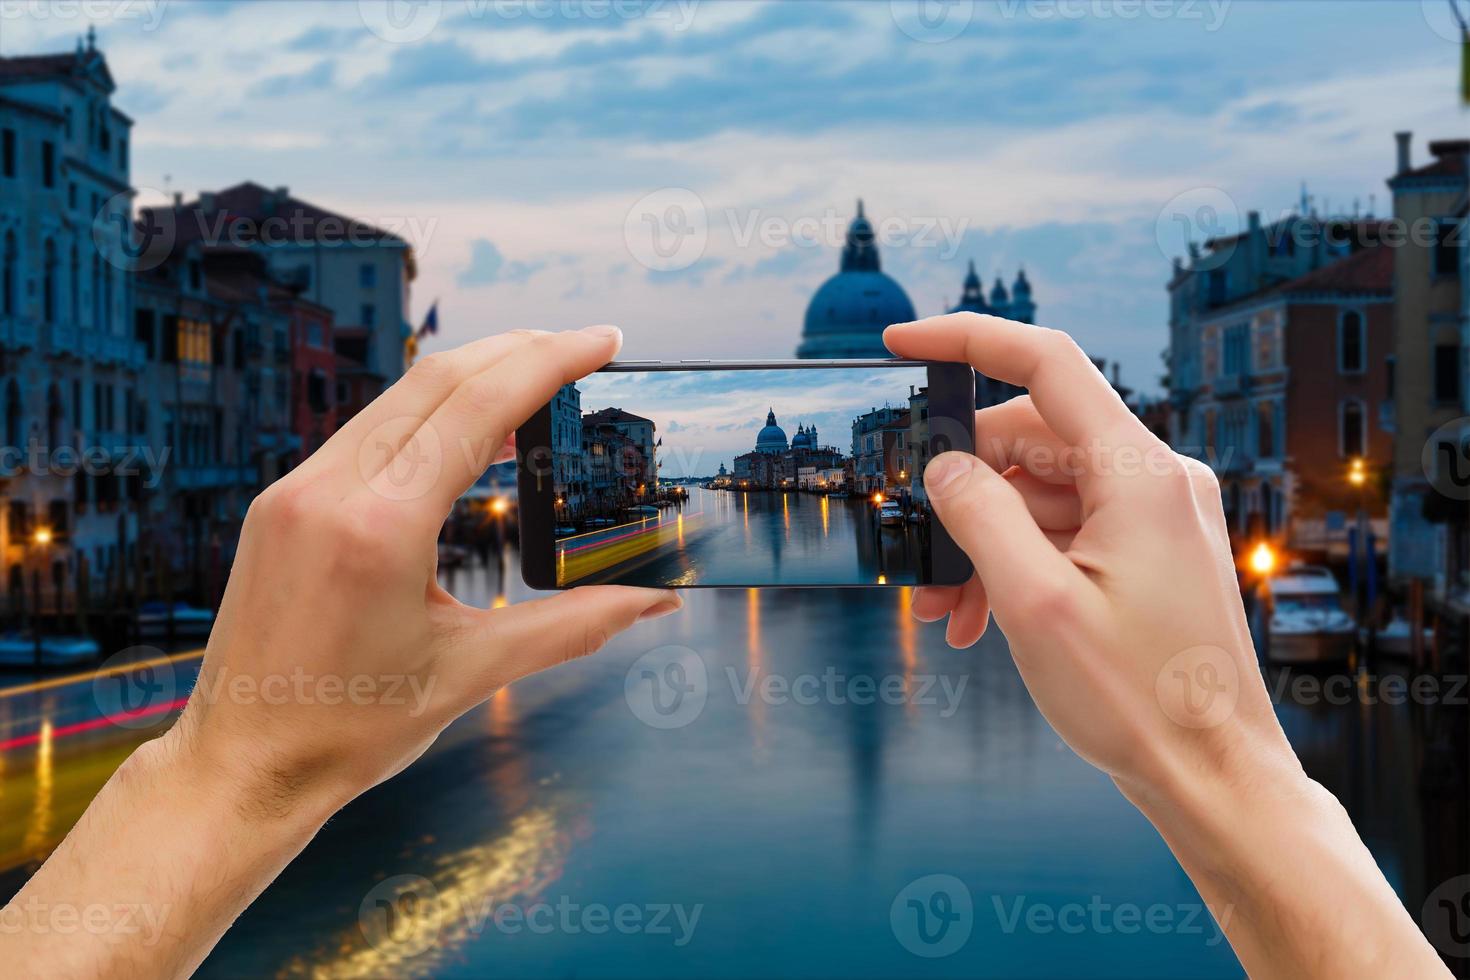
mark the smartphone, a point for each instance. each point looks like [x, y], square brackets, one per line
[696, 474]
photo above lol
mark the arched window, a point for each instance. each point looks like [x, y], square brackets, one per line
[1352, 343]
[10, 279]
[48, 293]
[107, 299]
[96, 291]
[1352, 429]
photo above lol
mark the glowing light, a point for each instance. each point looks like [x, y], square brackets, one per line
[1357, 472]
[499, 506]
[42, 536]
[1262, 559]
[878, 497]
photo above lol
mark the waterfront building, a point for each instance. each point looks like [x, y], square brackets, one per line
[69, 393]
[776, 463]
[772, 438]
[619, 461]
[1430, 541]
[567, 475]
[359, 272]
[1280, 345]
[874, 440]
[916, 453]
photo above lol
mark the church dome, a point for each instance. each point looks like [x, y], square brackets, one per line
[802, 439]
[771, 439]
[847, 315]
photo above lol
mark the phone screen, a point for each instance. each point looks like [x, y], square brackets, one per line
[687, 478]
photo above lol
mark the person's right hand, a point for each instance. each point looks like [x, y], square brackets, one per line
[1105, 557]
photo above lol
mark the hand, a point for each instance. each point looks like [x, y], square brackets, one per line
[1105, 558]
[337, 658]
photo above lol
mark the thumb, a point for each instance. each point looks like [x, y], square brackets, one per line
[989, 520]
[532, 636]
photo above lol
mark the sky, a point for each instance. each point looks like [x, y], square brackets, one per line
[706, 418]
[685, 168]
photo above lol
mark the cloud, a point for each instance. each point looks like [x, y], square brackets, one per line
[487, 267]
[314, 79]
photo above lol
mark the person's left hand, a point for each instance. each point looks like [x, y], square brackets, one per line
[337, 658]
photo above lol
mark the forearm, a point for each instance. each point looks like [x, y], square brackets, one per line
[1283, 870]
[169, 853]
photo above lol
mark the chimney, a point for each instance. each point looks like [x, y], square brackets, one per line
[282, 193]
[1117, 374]
[1253, 220]
[178, 199]
[1403, 141]
[206, 201]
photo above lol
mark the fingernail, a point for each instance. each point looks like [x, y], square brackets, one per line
[661, 609]
[604, 330]
[941, 475]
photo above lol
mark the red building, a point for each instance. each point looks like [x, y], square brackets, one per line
[314, 408]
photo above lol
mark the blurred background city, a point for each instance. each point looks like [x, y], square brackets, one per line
[226, 227]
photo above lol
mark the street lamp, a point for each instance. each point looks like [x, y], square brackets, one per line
[1357, 472]
[1262, 559]
[42, 537]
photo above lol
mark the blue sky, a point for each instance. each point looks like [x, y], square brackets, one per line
[519, 138]
[706, 418]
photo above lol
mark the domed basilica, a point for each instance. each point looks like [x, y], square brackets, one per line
[846, 317]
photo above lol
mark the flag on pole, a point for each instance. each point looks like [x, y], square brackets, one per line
[430, 325]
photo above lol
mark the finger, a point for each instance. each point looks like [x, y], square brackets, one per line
[1014, 434]
[1069, 391]
[449, 451]
[415, 396]
[933, 602]
[971, 615]
[987, 517]
[498, 646]
[1052, 507]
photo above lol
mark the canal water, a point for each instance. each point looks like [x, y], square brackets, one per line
[802, 783]
[723, 537]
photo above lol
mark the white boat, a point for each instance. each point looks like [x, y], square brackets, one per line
[1308, 623]
[890, 513]
[19, 650]
[188, 620]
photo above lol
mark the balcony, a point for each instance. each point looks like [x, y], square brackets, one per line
[65, 341]
[1231, 385]
[214, 477]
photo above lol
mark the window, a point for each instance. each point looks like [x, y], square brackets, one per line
[170, 339]
[66, 115]
[314, 335]
[1236, 354]
[48, 163]
[1447, 245]
[143, 330]
[1351, 343]
[71, 195]
[1447, 373]
[369, 315]
[7, 152]
[316, 390]
[1351, 429]
[10, 277]
[122, 154]
[1266, 430]
[367, 275]
[48, 284]
[1219, 286]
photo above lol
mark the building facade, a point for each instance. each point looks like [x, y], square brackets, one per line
[1428, 487]
[69, 398]
[1279, 361]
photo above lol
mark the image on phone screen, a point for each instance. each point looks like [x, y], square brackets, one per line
[774, 477]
